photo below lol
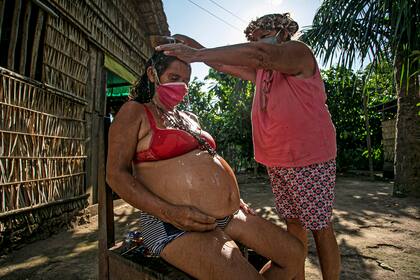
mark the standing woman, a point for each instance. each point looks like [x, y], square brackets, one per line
[293, 134]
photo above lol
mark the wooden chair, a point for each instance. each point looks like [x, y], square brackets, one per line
[114, 265]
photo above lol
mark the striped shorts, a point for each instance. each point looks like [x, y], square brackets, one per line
[157, 234]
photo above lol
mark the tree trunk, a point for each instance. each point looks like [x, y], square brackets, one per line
[368, 138]
[407, 141]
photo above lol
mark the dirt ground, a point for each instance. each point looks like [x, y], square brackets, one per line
[378, 235]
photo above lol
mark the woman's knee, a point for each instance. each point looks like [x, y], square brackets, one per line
[295, 227]
[293, 221]
[268, 239]
[210, 255]
[298, 254]
[295, 255]
[323, 233]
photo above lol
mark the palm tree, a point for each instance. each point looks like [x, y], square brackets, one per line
[379, 30]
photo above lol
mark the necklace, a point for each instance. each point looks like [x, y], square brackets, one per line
[174, 119]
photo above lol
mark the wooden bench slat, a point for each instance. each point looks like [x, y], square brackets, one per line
[150, 268]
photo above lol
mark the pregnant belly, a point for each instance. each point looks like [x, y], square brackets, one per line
[193, 179]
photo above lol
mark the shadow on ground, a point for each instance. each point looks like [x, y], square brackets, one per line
[67, 255]
[378, 236]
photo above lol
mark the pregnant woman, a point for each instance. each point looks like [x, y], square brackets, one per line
[161, 162]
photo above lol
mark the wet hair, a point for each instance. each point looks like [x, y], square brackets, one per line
[144, 90]
[276, 22]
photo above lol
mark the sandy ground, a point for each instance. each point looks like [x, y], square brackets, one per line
[378, 235]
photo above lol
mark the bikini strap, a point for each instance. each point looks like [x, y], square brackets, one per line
[150, 117]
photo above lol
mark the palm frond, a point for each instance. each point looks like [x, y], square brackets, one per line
[364, 29]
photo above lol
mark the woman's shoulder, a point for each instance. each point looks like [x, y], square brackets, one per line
[306, 59]
[298, 44]
[131, 111]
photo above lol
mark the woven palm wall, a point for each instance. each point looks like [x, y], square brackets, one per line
[42, 144]
[50, 104]
[388, 139]
[120, 27]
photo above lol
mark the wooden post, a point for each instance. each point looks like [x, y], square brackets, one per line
[2, 7]
[91, 127]
[106, 225]
[14, 35]
[23, 50]
[37, 38]
[105, 204]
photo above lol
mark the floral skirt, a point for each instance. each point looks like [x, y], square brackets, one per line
[305, 193]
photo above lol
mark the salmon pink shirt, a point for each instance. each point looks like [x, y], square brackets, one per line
[291, 124]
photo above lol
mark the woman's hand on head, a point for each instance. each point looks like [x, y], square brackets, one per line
[188, 218]
[181, 51]
[188, 41]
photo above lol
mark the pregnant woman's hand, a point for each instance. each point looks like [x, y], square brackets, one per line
[246, 208]
[188, 218]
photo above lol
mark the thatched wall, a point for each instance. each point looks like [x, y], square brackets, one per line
[388, 142]
[119, 27]
[42, 142]
[66, 57]
[52, 103]
[388, 139]
[42, 158]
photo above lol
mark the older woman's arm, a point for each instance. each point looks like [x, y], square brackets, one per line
[292, 57]
[242, 72]
[123, 136]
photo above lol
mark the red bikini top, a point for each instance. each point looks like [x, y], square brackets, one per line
[168, 143]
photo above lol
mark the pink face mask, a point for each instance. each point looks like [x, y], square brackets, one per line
[171, 94]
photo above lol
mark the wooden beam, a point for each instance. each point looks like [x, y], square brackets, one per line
[112, 65]
[2, 7]
[91, 178]
[25, 33]
[14, 35]
[45, 8]
[106, 229]
[37, 38]
[96, 147]
[105, 202]
[121, 267]
[100, 95]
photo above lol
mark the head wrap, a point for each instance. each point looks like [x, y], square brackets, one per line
[271, 22]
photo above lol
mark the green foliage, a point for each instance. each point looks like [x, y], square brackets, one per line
[366, 29]
[225, 112]
[201, 103]
[233, 126]
[345, 90]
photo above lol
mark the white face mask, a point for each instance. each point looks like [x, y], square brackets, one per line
[273, 40]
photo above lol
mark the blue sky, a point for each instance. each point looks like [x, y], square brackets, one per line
[186, 18]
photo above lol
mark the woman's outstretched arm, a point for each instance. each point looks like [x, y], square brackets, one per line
[242, 72]
[291, 57]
